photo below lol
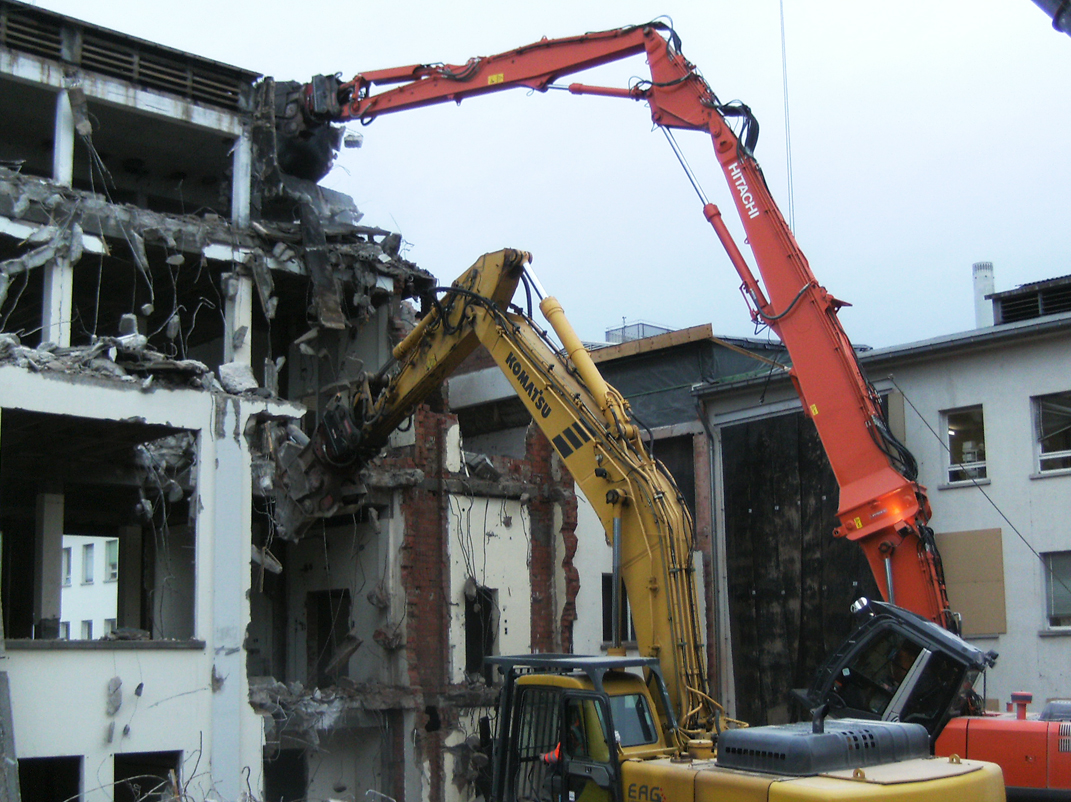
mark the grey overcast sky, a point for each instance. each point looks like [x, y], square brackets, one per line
[926, 135]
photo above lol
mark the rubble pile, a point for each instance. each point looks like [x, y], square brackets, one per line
[126, 358]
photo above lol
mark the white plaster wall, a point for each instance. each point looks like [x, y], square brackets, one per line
[593, 558]
[1003, 382]
[59, 697]
[490, 540]
[95, 601]
[193, 700]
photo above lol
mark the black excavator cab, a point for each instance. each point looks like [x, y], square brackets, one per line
[897, 666]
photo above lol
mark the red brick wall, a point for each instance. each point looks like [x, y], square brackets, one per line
[425, 576]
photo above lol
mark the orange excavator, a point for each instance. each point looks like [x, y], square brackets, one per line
[899, 665]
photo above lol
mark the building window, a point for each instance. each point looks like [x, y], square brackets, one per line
[66, 567]
[1058, 587]
[481, 627]
[966, 444]
[65, 630]
[626, 629]
[111, 560]
[87, 630]
[1052, 431]
[109, 626]
[87, 564]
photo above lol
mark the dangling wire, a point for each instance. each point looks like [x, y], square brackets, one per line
[684, 164]
[788, 133]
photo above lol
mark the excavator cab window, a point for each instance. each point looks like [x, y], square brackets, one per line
[588, 754]
[536, 739]
[895, 678]
[867, 683]
[633, 721]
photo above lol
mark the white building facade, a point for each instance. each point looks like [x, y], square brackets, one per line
[986, 413]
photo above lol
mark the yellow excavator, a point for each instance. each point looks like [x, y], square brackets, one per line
[594, 729]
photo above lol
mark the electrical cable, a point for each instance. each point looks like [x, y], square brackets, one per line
[982, 490]
[788, 132]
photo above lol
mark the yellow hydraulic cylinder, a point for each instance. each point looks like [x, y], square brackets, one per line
[589, 374]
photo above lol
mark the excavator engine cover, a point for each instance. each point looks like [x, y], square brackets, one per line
[844, 744]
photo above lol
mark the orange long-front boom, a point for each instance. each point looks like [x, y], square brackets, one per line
[881, 506]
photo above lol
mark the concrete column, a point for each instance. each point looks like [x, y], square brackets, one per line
[47, 553]
[59, 276]
[58, 302]
[238, 317]
[129, 601]
[241, 187]
[236, 729]
[63, 141]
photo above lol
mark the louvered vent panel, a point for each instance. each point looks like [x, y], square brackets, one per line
[166, 76]
[1023, 307]
[29, 33]
[157, 70]
[107, 59]
[215, 89]
[1055, 300]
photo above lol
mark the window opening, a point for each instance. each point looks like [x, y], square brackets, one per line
[1052, 431]
[1057, 584]
[966, 444]
[481, 628]
[328, 615]
[78, 492]
[50, 779]
[147, 776]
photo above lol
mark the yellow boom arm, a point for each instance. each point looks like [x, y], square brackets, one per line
[588, 423]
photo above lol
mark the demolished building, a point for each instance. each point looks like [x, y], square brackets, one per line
[179, 302]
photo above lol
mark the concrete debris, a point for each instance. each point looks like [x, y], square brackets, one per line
[471, 762]
[127, 358]
[165, 467]
[115, 696]
[391, 637]
[128, 633]
[379, 596]
[237, 378]
[346, 649]
[263, 557]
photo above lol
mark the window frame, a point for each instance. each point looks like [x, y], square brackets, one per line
[1040, 456]
[86, 631]
[66, 558]
[1050, 586]
[111, 568]
[87, 563]
[978, 466]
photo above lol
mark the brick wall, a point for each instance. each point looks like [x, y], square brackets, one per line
[425, 573]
